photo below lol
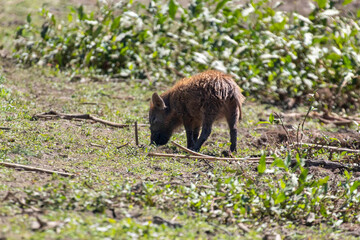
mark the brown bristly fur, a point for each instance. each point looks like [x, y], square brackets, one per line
[194, 102]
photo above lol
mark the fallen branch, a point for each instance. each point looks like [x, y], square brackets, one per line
[192, 152]
[188, 150]
[5, 128]
[14, 165]
[308, 163]
[210, 158]
[339, 149]
[54, 114]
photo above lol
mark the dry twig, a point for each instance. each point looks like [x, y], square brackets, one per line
[96, 145]
[192, 152]
[308, 163]
[188, 150]
[136, 134]
[54, 114]
[91, 103]
[121, 146]
[14, 165]
[210, 158]
[302, 125]
[283, 126]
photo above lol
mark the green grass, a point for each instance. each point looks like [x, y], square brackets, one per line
[81, 207]
[119, 191]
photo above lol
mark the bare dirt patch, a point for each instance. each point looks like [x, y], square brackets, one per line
[345, 138]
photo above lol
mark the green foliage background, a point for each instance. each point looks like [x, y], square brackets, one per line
[273, 55]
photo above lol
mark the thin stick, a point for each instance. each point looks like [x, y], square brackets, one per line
[136, 134]
[96, 145]
[188, 150]
[302, 125]
[91, 103]
[257, 159]
[299, 150]
[283, 126]
[5, 128]
[308, 163]
[192, 152]
[121, 146]
[54, 114]
[286, 131]
[329, 147]
[14, 165]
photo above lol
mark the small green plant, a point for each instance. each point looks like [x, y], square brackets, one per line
[291, 194]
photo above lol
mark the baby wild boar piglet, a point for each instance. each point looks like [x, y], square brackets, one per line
[196, 102]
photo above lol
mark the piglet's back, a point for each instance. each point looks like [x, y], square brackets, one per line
[210, 90]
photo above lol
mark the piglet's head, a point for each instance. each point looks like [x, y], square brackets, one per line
[158, 118]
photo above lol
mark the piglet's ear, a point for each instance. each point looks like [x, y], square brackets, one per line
[158, 101]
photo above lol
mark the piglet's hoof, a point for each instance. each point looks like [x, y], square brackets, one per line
[227, 153]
